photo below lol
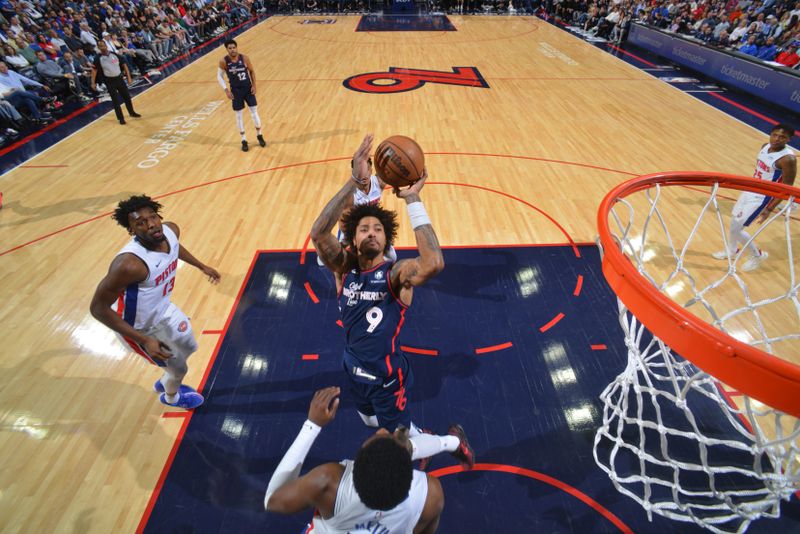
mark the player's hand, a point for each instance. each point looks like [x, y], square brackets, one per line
[324, 405]
[253, 89]
[413, 189]
[213, 275]
[360, 165]
[155, 349]
[229, 94]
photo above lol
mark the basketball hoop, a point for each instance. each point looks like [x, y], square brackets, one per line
[699, 334]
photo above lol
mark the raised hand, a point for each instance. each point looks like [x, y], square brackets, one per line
[414, 189]
[360, 165]
[324, 405]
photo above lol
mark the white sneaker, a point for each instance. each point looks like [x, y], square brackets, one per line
[754, 261]
[720, 255]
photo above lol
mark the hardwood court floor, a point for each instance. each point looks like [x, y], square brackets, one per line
[82, 438]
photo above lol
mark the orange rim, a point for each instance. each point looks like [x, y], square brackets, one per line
[753, 372]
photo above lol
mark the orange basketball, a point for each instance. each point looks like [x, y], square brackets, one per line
[399, 161]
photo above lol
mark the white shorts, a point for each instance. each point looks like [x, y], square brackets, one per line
[748, 207]
[173, 330]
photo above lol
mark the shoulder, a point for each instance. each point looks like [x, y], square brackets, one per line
[174, 227]
[128, 267]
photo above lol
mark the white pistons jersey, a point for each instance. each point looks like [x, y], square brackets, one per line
[765, 163]
[372, 197]
[351, 516]
[143, 304]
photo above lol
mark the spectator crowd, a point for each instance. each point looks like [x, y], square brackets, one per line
[49, 47]
[768, 30]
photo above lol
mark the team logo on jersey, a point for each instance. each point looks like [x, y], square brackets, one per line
[399, 79]
[379, 275]
[183, 326]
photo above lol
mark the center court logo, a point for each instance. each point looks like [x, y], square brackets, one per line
[400, 80]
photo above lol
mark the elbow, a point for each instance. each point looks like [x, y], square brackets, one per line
[432, 267]
[436, 265]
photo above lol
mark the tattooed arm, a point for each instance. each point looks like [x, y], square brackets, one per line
[330, 251]
[414, 272]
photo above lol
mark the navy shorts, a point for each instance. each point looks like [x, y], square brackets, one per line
[387, 400]
[240, 96]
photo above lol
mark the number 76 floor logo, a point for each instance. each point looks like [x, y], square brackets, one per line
[400, 80]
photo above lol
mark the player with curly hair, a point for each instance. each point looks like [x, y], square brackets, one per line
[133, 299]
[374, 295]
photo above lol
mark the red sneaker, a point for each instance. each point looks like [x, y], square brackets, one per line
[464, 453]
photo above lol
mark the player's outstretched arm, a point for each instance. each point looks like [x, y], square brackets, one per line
[126, 269]
[330, 251]
[188, 257]
[432, 511]
[430, 262]
[288, 494]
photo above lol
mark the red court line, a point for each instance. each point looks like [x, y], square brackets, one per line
[42, 166]
[578, 286]
[530, 158]
[47, 128]
[512, 197]
[414, 350]
[598, 347]
[744, 108]
[634, 56]
[552, 323]
[311, 294]
[173, 415]
[541, 477]
[329, 160]
[212, 331]
[494, 348]
[311, 356]
[303, 250]
[79, 111]
[168, 464]
[152, 502]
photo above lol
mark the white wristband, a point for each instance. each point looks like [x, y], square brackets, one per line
[417, 214]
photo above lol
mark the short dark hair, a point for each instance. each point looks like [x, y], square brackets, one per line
[387, 218]
[231, 42]
[785, 127]
[135, 203]
[382, 473]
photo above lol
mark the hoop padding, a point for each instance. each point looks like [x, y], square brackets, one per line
[753, 372]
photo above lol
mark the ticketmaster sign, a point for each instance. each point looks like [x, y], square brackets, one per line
[773, 85]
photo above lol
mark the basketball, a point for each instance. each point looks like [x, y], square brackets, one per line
[399, 161]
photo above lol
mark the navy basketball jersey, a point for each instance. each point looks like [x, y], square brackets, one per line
[238, 75]
[372, 316]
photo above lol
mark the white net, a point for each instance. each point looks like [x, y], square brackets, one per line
[673, 438]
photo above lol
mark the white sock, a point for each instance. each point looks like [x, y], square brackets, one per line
[240, 122]
[172, 399]
[256, 118]
[369, 420]
[427, 445]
